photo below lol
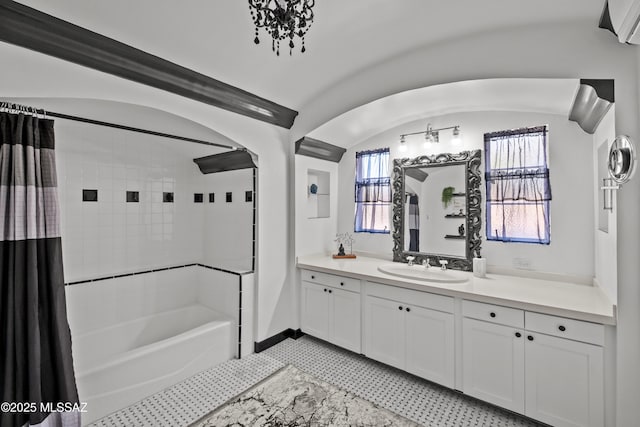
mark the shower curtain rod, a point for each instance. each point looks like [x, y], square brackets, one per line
[41, 112]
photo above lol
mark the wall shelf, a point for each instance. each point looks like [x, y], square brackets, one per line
[318, 203]
[454, 236]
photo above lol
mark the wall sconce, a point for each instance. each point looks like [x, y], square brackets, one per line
[621, 165]
[431, 136]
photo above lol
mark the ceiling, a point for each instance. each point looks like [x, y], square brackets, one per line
[215, 37]
[552, 96]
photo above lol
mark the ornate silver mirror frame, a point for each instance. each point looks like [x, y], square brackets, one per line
[473, 199]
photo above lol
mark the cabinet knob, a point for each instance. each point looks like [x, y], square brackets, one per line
[325, 289]
[408, 309]
[399, 307]
[562, 328]
[330, 291]
[530, 337]
[492, 314]
[341, 283]
[313, 277]
[518, 334]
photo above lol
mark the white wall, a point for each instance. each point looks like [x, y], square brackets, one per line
[314, 235]
[606, 251]
[228, 227]
[571, 174]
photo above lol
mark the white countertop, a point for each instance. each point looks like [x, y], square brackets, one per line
[576, 301]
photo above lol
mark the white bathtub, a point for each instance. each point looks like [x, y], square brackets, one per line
[124, 352]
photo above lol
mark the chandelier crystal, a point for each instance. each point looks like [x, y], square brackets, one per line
[283, 20]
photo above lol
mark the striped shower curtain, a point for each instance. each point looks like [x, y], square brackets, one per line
[37, 382]
[414, 224]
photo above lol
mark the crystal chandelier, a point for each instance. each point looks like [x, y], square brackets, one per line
[282, 19]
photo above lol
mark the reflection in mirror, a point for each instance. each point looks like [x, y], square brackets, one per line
[436, 210]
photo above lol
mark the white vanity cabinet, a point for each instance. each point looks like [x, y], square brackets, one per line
[330, 308]
[564, 377]
[546, 367]
[493, 363]
[411, 330]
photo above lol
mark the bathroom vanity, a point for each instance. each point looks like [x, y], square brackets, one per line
[534, 346]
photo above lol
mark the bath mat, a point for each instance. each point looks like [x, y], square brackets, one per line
[291, 397]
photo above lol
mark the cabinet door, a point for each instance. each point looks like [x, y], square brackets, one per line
[384, 331]
[315, 310]
[564, 382]
[429, 337]
[493, 363]
[344, 319]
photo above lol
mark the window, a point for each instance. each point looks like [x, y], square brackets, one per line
[518, 189]
[373, 191]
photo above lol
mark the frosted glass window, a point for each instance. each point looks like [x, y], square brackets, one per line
[518, 187]
[372, 191]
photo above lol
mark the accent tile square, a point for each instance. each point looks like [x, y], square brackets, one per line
[89, 195]
[133, 197]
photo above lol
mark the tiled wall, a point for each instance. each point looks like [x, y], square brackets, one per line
[96, 305]
[228, 238]
[111, 236]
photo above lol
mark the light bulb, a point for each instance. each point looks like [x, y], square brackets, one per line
[457, 138]
[403, 146]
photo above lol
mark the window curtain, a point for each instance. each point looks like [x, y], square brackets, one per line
[414, 224]
[518, 188]
[372, 191]
[36, 365]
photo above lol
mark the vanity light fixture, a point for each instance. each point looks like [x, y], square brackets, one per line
[432, 136]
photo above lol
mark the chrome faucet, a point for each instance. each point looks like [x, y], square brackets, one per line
[410, 260]
[425, 263]
[443, 264]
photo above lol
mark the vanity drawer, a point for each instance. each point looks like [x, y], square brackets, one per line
[332, 280]
[493, 313]
[577, 330]
[411, 297]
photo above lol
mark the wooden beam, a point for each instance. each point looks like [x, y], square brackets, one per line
[29, 28]
[319, 149]
[227, 161]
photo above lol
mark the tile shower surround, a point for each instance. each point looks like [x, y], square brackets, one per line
[112, 236]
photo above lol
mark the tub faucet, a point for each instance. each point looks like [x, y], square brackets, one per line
[410, 260]
[426, 264]
[443, 264]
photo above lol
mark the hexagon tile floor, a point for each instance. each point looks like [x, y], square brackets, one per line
[419, 400]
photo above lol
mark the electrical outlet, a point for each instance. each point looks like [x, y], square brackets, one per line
[522, 263]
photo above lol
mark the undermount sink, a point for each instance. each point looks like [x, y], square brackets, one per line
[419, 272]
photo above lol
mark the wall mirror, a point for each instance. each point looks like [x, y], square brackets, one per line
[436, 208]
